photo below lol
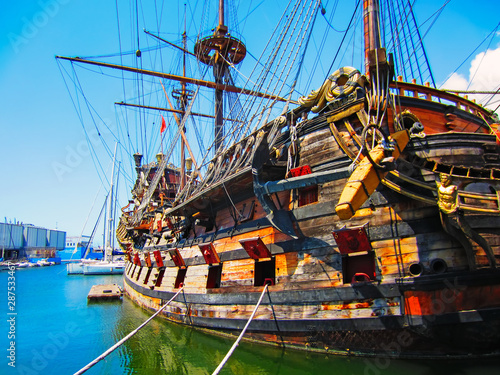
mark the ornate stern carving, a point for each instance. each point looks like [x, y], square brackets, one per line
[455, 223]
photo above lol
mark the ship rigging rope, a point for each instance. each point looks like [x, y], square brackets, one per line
[230, 352]
[276, 62]
[324, 39]
[75, 99]
[122, 341]
[87, 219]
[159, 172]
[329, 21]
[308, 31]
[270, 63]
[471, 79]
[403, 27]
[296, 25]
[127, 128]
[302, 34]
[343, 38]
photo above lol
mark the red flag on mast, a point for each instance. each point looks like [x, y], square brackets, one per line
[163, 125]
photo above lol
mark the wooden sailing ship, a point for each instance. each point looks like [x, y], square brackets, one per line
[371, 210]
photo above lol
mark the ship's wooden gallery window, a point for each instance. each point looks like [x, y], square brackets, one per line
[308, 195]
[181, 275]
[159, 278]
[265, 264]
[358, 258]
[214, 276]
[265, 271]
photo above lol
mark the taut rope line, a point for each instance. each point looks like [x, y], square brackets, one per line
[119, 343]
[230, 352]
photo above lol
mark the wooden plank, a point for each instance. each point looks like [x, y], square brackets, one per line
[299, 277]
[167, 284]
[286, 264]
[349, 310]
[316, 137]
[319, 157]
[431, 241]
[238, 272]
[196, 279]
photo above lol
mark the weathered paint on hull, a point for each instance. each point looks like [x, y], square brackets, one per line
[391, 280]
[447, 328]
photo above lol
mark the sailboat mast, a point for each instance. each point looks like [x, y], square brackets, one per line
[112, 228]
[89, 243]
[109, 225]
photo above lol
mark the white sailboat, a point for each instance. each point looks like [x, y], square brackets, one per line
[76, 268]
[108, 265]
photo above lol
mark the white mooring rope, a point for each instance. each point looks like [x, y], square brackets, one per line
[241, 334]
[119, 343]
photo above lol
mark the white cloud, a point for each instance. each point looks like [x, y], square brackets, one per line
[456, 82]
[484, 75]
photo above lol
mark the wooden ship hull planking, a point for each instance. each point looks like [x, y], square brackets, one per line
[371, 211]
[391, 279]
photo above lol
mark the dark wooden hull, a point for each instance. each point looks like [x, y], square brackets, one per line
[447, 328]
[399, 285]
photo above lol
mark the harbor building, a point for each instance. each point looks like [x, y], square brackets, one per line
[79, 247]
[27, 241]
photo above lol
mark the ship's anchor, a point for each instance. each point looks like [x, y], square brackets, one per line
[279, 219]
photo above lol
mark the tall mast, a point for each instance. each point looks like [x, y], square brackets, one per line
[183, 96]
[220, 67]
[109, 225]
[219, 50]
[371, 28]
[221, 14]
[379, 69]
[183, 103]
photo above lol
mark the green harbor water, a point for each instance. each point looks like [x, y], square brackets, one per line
[57, 332]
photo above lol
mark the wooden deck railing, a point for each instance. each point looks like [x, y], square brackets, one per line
[428, 93]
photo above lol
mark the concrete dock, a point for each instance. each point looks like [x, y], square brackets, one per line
[105, 292]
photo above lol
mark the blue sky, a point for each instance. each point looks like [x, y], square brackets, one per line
[41, 129]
